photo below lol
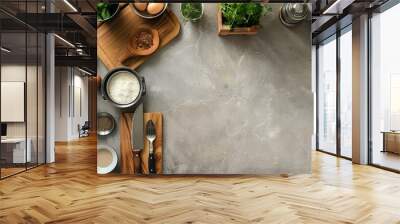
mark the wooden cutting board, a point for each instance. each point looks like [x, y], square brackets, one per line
[113, 36]
[125, 134]
[127, 162]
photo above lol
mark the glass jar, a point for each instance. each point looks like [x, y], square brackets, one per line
[192, 11]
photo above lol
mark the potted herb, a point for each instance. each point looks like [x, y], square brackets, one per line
[192, 11]
[240, 18]
[106, 11]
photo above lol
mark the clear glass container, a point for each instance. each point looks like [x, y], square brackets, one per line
[192, 11]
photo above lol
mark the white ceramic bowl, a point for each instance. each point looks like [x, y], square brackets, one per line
[111, 166]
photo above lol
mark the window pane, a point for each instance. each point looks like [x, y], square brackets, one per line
[385, 93]
[346, 93]
[327, 97]
[15, 150]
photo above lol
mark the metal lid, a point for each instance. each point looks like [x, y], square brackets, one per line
[105, 123]
[296, 11]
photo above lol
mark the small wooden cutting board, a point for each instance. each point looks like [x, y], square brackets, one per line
[127, 162]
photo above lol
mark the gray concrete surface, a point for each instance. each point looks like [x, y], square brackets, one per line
[232, 105]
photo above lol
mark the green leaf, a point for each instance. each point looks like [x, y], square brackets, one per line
[243, 14]
[103, 10]
[191, 10]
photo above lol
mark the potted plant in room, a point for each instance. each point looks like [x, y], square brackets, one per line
[192, 11]
[240, 18]
[106, 11]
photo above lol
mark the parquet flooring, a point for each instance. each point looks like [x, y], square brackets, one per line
[5, 172]
[70, 191]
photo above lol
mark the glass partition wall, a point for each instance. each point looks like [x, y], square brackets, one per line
[22, 76]
[346, 95]
[385, 89]
[334, 94]
[327, 78]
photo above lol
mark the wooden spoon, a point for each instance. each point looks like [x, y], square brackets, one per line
[132, 49]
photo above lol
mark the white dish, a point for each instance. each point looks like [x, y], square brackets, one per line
[107, 159]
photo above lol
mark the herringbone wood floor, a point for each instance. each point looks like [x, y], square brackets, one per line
[69, 191]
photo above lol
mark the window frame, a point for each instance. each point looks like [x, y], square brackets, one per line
[334, 37]
[31, 30]
[381, 9]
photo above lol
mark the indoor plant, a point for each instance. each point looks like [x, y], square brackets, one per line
[240, 18]
[106, 11]
[192, 11]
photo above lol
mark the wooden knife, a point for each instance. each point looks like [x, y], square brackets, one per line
[137, 137]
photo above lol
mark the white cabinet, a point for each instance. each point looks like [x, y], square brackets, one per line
[18, 149]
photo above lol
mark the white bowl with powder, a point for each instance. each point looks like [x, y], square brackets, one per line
[107, 159]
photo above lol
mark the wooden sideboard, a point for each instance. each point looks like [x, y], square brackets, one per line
[391, 142]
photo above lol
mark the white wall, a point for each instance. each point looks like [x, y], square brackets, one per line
[79, 117]
[61, 103]
[16, 73]
[70, 82]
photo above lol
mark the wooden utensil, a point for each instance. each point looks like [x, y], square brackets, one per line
[137, 137]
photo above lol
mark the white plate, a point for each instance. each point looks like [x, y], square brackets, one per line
[113, 164]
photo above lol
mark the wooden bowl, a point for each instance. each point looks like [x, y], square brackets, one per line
[132, 49]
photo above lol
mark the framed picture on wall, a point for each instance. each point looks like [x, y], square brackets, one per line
[12, 101]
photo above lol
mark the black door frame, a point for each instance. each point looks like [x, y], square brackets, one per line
[335, 37]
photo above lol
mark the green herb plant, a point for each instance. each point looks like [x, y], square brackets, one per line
[105, 10]
[192, 11]
[243, 14]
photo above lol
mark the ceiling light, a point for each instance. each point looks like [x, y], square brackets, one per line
[70, 5]
[79, 51]
[5, 50]
[65, 41]
[331, 7]
[338, 7]
[84, 71]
